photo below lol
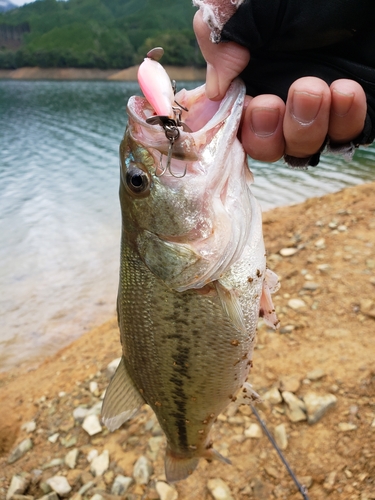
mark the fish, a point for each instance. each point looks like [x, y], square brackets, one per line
[193, 274]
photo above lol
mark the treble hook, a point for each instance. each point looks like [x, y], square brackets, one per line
[172, 133]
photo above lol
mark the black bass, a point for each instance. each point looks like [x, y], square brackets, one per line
[193, 278]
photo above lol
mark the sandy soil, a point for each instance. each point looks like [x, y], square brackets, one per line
[333, 272]
[129, 74]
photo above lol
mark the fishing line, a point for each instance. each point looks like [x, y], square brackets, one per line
[301, 488]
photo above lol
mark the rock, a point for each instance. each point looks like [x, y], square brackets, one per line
[80, 413]
[86, 487]
[100, 464]
[346, 426]
[112, 367]
[316, 374]
[93, 387]
[295, 407]
[54, 437]
[272, 471]
[317, 406]
[60, 485]
[311, 286]
[323, 268]
[296, 304]
[71, 458]
[121, 484]
[320, 244]
[97, 496]
[55, 462]
[22, 497]
[165, 491]
[92, 425]
[289, 383]
[281, 437]
[20, 450]
[18, 486]
[29, 426]
[154, 444]
[254, 431]
[287, 329]
[273, 396]
[50, 496]
[288, 252]
[91, 455]
[142, 470]
[219, 489]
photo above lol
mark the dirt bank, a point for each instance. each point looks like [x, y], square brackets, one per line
[326, 347]
[129, 74]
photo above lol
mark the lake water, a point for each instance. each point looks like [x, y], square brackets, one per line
[59, 209]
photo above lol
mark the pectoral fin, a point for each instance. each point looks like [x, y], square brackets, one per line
[122, 399]
[231, 305]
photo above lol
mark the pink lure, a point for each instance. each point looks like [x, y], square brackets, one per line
[156, 87]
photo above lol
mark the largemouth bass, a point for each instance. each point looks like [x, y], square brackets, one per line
[193, 277]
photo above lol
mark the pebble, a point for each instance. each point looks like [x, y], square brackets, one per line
[92, 425]
[55, 462]
[311, 286]
[29, 426]
[165, 491]
[320, 244]
[54, 437]
[142, 470]
[112, 367]
[17, 486]
[97, 496]
[323, 268]
[316, 374]
[60, 485]
[273, 396]
[296, 304]
[50, 496]
[71, 458]
[287, 329]
[121, 484]
[288, 252]
[20, 450]
[317, 406]
[281, 437]
[346, 426]
[254, 431]
[100, 464]
[219, 489]
[93, 387]
[296, 407]
[92, 454]
[154, 444]
[290, 383]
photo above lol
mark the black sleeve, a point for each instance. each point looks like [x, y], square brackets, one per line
[289, 39]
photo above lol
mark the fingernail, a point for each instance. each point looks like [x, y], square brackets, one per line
[212, 82]
[305, 107]
[264, 121]
[342, 103]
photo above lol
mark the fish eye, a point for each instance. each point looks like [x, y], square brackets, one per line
[137, 181]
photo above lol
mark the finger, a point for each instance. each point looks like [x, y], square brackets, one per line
[307, 116]
[225, 61]
[262, 128]
[348, 110]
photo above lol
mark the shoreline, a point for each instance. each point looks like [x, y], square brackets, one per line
[128, 74]
[325, 347]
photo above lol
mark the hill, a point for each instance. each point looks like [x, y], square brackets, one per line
[6, 5]
[97, 33]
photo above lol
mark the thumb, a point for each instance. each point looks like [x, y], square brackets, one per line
[225, 61]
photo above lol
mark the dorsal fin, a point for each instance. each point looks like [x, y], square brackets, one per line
[122, 399]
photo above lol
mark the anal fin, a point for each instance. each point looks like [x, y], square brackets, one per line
[122, 399]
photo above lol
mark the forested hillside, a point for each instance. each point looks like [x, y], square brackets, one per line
[97, 33]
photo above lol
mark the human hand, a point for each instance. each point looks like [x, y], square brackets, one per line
[271, 128]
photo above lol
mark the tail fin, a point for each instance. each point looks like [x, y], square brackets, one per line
[177, 468]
